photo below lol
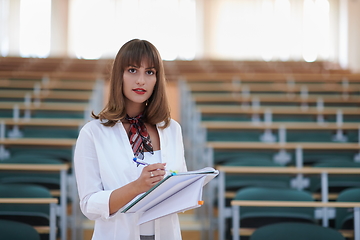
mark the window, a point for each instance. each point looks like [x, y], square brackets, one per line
[100, 27]
[35, 23]
[271, 30]
[316, 30]
[4, 38]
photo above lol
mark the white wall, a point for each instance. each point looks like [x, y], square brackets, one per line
[349, 34]
[354, 35]
[59, 28]
[13, 30]
[346, 38]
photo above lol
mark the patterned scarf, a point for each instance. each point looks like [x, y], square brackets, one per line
[139, 137]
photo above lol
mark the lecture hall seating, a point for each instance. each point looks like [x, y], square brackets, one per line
[234, 113]
[243, 100]
[43, 104]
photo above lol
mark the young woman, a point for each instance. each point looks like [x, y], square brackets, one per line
[135, 123]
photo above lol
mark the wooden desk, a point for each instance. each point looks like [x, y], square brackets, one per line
[44, 122]
[57, 142]
[293, 204]
[287, 170]
[67, 75]
[52, 84]
[233, 125]
[272, 87]
[288, 145]
[274, 98]
[224, 109]
[271, 77]
[46, 106]
[34, 167]
[29, 200]
[51, 94]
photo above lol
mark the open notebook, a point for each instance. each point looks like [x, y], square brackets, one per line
[175, 193]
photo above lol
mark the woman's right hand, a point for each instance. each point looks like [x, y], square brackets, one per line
[150, 175]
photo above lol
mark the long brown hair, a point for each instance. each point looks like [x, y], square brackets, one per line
[157, 108]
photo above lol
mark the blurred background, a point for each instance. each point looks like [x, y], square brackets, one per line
[300, 30]
[243, 75]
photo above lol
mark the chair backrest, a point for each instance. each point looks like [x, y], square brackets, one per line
[249, 161]
[224, 157]
[49, 180]
[327, 156]
[295, 231]
[336, 183]
[236, 182]
[12, 230]
[344, 217]
[338, 164]
[33, 214]
[278, 213]
[33, 152]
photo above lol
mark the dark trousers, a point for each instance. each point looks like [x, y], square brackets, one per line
[142, 237]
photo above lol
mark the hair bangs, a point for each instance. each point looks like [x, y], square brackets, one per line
[140, 51]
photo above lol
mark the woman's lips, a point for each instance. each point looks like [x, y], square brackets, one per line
[139, 91]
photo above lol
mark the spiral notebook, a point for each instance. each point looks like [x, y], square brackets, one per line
[175, 193]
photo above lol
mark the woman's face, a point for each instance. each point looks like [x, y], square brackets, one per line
[139, 82]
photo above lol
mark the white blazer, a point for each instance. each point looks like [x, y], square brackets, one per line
[103, 162]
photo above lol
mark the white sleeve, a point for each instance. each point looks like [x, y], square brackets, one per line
[94, 201]
[180, 146]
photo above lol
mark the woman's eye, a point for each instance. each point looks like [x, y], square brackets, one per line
[150, 72]
[132, 70]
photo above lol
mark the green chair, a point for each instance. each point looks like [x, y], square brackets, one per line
[49, 132]
[234, 135]
[312, 157]
[255, 217]
[5, 113]
[223, 156]
[344, 218]
[293, 118]
[226, 117]
[351, 118]
[236, 182]
[63, 154]
[309, 136]
[295, 231]
[48, 180]
[13, 230]
[353, 135]
[57, 114]
[33, 214]
[336, 183]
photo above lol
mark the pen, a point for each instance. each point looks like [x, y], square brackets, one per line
[141, 162]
